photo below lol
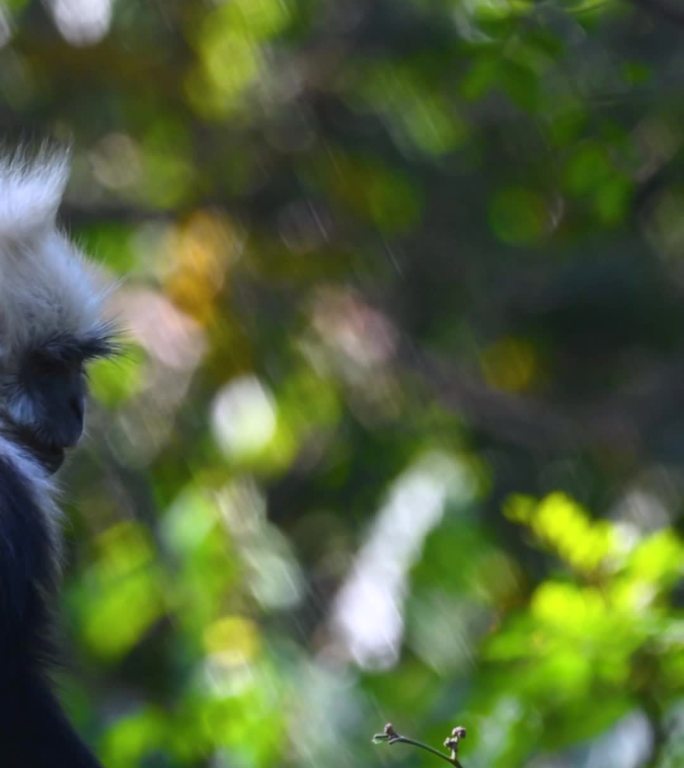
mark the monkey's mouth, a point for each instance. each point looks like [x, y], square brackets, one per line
[49, 455]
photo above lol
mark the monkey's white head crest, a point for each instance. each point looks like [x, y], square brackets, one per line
[48, 290]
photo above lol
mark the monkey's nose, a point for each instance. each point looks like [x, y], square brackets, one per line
[77, 407]
[74, 427]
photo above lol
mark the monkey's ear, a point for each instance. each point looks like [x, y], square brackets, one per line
[31, 187]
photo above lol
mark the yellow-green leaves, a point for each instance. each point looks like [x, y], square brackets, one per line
[230, 44]
[120, 596]
[564, 527]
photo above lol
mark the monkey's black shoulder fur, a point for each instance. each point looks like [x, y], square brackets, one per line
[34, 732]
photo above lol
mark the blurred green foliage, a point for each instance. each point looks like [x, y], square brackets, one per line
[399, 430]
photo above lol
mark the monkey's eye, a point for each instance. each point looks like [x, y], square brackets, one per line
[45, 366]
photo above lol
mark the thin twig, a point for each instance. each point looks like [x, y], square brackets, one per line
[390, 736]
[428, 748]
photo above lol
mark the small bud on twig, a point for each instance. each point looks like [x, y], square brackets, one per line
[388, 734]
[451, 743]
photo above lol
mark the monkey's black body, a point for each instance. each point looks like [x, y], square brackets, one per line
[50, 327]
[34, 732]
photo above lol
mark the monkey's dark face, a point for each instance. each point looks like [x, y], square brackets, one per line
[56, 390]
[43, 397]
[45, 404]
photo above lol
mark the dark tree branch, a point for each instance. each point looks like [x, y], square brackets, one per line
[667, 9]
[625, 420]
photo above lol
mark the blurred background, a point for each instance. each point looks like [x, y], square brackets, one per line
[399, 429]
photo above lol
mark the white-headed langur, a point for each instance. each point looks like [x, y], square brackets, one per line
[51, 325]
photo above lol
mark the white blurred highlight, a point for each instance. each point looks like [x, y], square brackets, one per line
[174, 344]
[360, 334]
[367, 619]
[273, 573]
[5, 28]
[165, 333]
[626, 745]
[81, 22]
[243, 417]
